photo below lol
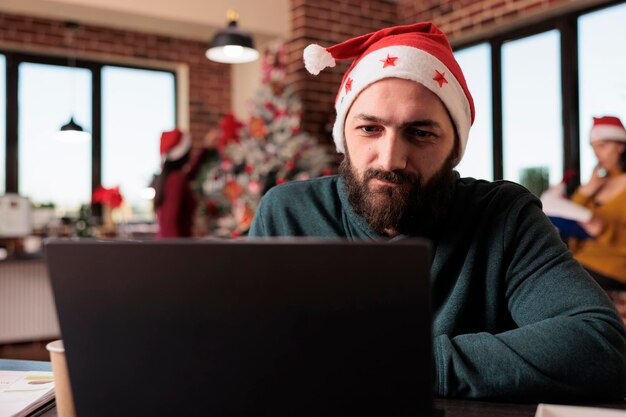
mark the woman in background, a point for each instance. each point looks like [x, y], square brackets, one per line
[604, 254]
[174, 201]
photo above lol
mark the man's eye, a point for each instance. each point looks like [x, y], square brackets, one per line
[420, 134]
[369, 129]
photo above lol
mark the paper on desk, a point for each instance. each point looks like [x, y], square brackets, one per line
[554, 205]
[549, 410]
[22, 392]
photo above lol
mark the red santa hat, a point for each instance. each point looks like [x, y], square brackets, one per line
[607, 128]
[418, 52]
[174, 144]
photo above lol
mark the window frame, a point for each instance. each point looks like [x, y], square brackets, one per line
[13, 60]
[567, 25]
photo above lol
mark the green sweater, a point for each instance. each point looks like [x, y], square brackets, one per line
[515, 317]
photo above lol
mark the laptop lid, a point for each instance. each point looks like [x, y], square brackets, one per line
[245, 328]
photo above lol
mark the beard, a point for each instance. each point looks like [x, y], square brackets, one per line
[411, 208]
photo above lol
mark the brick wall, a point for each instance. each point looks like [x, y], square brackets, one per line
[209, 83]
[458, 18]
[327, 22]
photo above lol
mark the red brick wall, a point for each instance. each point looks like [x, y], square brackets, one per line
[327, 22]
[209, 89]
[457, 18]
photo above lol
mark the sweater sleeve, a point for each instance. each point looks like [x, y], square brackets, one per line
[578, 198]
[258, 229]
[569, 343]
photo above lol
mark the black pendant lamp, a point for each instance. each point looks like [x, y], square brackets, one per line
[231, 45]
[72, 131]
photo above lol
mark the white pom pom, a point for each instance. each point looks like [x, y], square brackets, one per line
[316, 58]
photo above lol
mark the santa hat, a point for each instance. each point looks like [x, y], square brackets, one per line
[607, 128]
[418, 52]
[174, 144]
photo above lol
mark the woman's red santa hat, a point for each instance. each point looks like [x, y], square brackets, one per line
[418, 52]
[174, 144]
[607, 128]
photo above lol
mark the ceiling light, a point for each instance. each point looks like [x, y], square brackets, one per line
[72, 131]
[231, 45]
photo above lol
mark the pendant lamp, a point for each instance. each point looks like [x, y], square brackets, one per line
[72, 131]
[231, 45]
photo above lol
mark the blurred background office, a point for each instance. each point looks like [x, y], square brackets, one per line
[88, 86]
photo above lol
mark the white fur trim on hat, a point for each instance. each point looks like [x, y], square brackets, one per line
[607, 132]
[316, 58]
[179, 150]
[412, 64]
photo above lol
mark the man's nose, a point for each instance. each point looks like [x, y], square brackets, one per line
[392, 152]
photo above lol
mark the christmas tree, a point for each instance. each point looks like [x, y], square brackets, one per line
[269, 150]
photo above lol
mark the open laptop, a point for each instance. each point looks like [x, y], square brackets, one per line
[281, 328]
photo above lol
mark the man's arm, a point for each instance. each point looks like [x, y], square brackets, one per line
[257, 228]
[570, 344]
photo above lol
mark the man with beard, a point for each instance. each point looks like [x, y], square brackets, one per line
[515, 317]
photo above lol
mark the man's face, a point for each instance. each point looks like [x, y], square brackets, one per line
[400, 148]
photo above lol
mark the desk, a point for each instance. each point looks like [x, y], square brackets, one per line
[451, 407]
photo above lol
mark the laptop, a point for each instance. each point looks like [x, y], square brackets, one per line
[281, 328]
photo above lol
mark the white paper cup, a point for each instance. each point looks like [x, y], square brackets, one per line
[62, 387]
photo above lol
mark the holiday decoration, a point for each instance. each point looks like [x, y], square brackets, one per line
[419, 52]
[269, 150]
[110, 198]
[607, 128]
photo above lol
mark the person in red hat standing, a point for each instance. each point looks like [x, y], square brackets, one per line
[604, 256]
[174, 201]
[515, 317]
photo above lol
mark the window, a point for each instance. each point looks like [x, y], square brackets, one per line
[531, 111]
[602, 65]
[132, 106]
[137, 105]
[478, 159]
[50, 170]
[3, 118]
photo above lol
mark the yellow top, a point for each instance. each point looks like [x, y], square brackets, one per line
[606, 253]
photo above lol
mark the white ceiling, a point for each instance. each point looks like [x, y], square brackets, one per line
[192, 19]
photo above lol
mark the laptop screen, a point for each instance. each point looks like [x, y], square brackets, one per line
[239, 328]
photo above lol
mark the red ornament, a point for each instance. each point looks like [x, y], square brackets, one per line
[257, 128]
[230, 127]
[249, 169]
[290, 165]
[278, 113]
